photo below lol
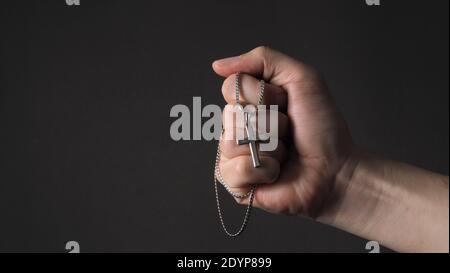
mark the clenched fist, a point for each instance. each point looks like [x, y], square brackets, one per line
[314, 142]
[316, 170]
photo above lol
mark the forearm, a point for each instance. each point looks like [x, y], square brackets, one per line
[402, 207]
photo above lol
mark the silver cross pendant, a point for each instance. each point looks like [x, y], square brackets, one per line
[252, 140]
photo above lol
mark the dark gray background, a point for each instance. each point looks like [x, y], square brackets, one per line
[86, 91]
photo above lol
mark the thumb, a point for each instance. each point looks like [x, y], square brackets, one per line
[264, 62]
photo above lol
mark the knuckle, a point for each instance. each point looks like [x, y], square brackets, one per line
[312, 72]
[229, 147]
[227, 86]
[261, 50]
[309, 73]
[241, 167]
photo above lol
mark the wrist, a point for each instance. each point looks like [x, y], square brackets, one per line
[354, 198]
[398, 205]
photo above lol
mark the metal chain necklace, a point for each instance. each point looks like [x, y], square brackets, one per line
[255, 158]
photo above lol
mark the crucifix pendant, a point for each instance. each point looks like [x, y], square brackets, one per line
[252, 140]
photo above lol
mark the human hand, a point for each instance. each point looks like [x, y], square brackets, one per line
[314, 141]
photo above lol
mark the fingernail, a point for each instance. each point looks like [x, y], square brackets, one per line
[227, 61]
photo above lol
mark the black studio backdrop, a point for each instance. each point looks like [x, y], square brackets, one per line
[85, 95]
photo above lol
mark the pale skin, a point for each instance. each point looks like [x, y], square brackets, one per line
[318, 172]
